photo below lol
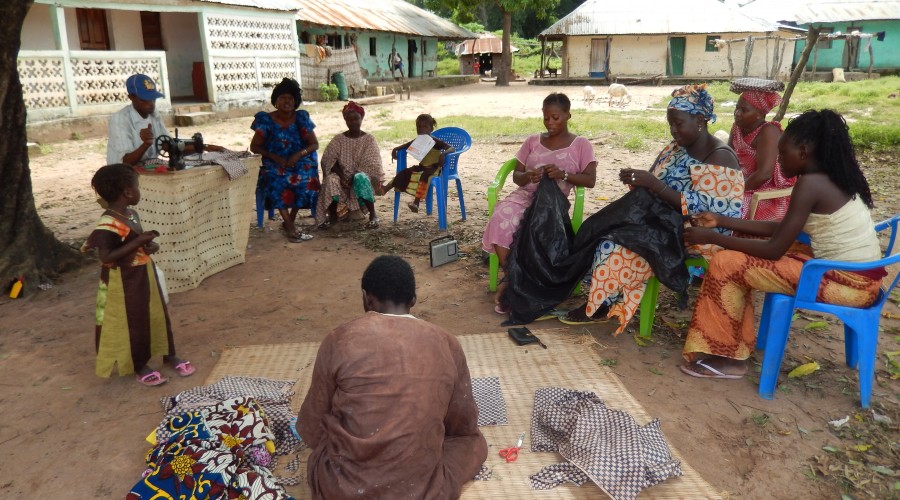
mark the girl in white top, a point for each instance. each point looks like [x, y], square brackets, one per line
[830, 202]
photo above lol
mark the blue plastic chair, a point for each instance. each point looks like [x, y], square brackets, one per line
[438, 185]
[493, 195]
[860, 324]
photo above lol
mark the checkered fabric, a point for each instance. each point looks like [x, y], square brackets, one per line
[490, 402]
[607, 445]
[743, 84]
[273, 395]
[554, 475]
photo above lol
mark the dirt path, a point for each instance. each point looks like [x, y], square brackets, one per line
[71, 434]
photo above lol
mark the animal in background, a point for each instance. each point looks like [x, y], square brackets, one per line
[589, 96]
[619, 95]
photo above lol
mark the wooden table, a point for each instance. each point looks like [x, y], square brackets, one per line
[203, 218]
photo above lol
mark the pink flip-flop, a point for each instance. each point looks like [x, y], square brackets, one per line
[185, 369]
[151, 379]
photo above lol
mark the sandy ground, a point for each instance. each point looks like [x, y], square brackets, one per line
[71, 434]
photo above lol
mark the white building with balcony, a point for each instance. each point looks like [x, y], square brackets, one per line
[76, 54]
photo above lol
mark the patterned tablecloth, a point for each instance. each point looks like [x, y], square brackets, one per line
[203, 219]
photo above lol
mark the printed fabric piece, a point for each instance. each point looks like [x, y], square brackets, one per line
[554, 475]
[273, 395]
[489, 399]
[617, 454]
[220, 451]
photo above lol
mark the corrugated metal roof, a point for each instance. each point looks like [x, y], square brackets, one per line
[393, 16]
[646, 17]
[486, 43]
[286, 5]
[824, 11]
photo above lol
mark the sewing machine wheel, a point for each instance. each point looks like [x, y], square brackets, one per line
[162, 142]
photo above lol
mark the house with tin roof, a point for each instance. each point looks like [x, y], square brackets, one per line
[656, 38]
[854, 34]
[361, 36]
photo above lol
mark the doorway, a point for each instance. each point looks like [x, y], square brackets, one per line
[411, 50]
[851, 49]
[599, 57]
[675, 64]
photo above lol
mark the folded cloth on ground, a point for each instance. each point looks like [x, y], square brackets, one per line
[489, 400]
[605, 445]
[220, 451]
[273, 395]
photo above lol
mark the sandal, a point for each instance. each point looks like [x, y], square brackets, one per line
[373, 224]
[151, 379]
[325, 225]
[185, 369]
[413, 207]
[300, 237]
[691, 369]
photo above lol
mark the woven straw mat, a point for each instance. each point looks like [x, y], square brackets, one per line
[567, 362]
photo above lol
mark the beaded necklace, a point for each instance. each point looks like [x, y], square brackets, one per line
[129, 217]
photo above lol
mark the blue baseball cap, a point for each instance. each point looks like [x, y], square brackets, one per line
[143, 87]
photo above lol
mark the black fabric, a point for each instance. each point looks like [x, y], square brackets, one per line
[547, 260]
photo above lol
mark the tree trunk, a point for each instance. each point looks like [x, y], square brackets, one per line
[27, 247]
[812, 37]
[506, 55]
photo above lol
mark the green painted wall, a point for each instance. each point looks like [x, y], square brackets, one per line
[886, 53]
[373, 49]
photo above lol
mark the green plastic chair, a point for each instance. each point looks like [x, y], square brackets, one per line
[651, 293]
[493, 194]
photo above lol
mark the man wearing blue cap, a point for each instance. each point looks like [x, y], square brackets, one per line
[133, 129]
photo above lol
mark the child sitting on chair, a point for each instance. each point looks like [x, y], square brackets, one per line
[429, 165]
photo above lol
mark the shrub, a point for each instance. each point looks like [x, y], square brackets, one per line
[328, 91]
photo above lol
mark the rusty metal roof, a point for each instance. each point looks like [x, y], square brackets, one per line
[648, 17]
[284, 5]
[392, 16]
[824, 11]
[486, 43]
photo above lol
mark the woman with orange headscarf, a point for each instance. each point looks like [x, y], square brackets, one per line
[756, 143]
[351, 164]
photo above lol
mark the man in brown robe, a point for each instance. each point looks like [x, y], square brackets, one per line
[390, 413]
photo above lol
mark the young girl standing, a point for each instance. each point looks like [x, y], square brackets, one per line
[132, 319]
[414, 179]
[830, 202]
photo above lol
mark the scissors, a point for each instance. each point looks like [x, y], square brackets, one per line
[512, 453]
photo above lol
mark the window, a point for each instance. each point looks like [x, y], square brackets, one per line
[373, 45]
[151, 27]
[92, 30]
[710, 46]
[824, 44]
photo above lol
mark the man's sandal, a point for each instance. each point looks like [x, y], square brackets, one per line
[151, 379]
[185, 369]
[373, 224]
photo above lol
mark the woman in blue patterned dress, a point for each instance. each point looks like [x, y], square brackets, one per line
[289, 178]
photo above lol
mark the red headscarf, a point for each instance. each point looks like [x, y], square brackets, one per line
[761, 99]
[352, 106]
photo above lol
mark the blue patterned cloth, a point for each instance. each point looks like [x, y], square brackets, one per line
[694, 99]
[293, 186]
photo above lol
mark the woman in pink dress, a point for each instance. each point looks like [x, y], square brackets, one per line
[756, 143]
[558, 154]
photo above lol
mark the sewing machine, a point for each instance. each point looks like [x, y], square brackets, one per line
[173, 148]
